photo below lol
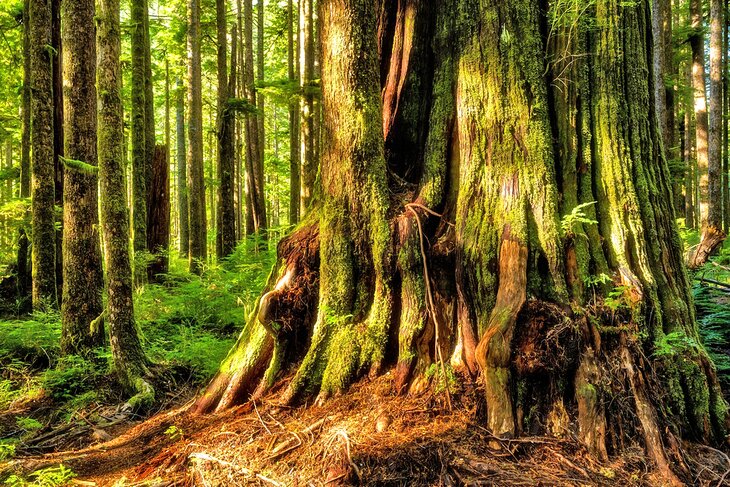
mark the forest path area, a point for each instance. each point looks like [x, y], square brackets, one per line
[367, 437]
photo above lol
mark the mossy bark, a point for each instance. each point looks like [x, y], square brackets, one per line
[294, 151]
[197, 222]
[129, 361]
[138, 13]
[25, 137]
[82, 272]
[42, 164]
[449, 224]
[306, 113]
[182, 180]
[226, 230]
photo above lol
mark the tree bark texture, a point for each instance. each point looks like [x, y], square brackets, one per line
[486, 180]
[82, 272]
[42, 164]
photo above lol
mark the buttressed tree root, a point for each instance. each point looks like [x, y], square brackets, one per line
[494, 200]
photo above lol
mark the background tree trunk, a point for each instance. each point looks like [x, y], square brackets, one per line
[254, 164]
[712, 232]
[196, 185]
[294, 162]
[139, 124]
[43, 182]
[697, 44]
[82, 273]
[25, 138]
[129, 361]
[182, 190]
[306, 117]
[158, 227]
[226, 223]
[58, 138]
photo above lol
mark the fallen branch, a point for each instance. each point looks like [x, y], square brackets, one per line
[243, 470]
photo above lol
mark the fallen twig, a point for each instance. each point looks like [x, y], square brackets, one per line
[241, 469]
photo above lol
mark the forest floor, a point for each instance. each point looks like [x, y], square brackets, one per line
[60, 420]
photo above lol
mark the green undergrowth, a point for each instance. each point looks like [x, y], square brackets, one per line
[712, 303]
[187, 324]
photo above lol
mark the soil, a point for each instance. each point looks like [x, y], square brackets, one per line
[367, 437]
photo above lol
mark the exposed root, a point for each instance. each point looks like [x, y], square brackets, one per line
[494, 350]
[712, 239]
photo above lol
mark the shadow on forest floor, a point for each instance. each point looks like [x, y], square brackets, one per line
[367, 437]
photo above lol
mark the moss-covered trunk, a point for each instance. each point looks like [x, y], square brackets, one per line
[495, 201]
[42, 164]
[82, 273]
[138, 12]
[197, 222]
[129, 360]
[182, 180]
[226, 221]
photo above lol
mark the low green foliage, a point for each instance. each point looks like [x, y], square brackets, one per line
[174, 433]
[7, 450]
[72, 376]
[28, 424]
[35, 340]
[440, 383]
[48, 477]
[577, 216]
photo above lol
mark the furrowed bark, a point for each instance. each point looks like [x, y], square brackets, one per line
[129, 361]
[197, 223]
[42, 164]
[494, 190]
[226, 231]
[82, 273]
[182, 186]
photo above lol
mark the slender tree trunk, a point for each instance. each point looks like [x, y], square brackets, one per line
[294, 174]
[149, 111]
[700, 102]
[158, 216]
[716, 121]
[130, 363]
[725, 121]
[664, 94]
[58, 138]
[82, 272]
[43, 182]
[25, 139]
[168, 146]
[306, 133]
[139, 124]
[254, 166]
[182, 190]
[711, 167]
[196, 185]
[260, 75]
[690, 164]
[226, 222]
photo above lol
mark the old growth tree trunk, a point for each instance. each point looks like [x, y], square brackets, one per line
[475, 210]
[82, 273]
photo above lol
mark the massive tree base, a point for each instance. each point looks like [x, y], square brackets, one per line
[495, 206]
